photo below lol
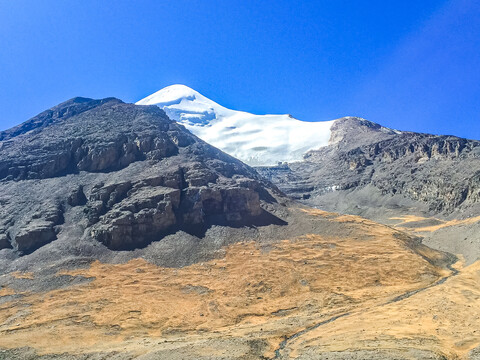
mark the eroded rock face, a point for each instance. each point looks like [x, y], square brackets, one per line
[77, 197]
[5, 241]
[126, 215]
[36, 234]
[144, 216]
[59, 143]
[134, 175]
[34, 229]
[440, 173]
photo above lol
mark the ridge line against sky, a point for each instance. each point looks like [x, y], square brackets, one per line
[407, 66]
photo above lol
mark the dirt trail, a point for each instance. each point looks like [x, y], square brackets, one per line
[283, 345]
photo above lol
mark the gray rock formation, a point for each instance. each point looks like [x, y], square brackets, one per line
[379, 173]
[122, 174]
[440, 174]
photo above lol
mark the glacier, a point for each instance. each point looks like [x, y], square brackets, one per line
[258, 140]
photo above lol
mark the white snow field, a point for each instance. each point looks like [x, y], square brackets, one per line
[258, 140]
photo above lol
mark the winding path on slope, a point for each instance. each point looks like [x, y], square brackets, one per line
[284, 344]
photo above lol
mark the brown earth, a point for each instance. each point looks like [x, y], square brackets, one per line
[374, 289]
[444, 319]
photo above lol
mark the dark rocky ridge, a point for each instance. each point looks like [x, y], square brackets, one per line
[379, 173]
[441, 173]
[121, 174]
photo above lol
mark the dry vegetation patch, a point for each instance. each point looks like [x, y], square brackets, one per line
[407, 222]
[258, 292]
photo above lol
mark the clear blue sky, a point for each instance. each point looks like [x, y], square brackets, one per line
[410, 65]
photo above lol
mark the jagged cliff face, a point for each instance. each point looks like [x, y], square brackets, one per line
[121, 174]
[438, 174]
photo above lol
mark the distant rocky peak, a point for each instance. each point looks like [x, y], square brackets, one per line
[350, 132]
[60, 112]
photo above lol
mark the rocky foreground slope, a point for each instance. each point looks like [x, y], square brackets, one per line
[326, 286]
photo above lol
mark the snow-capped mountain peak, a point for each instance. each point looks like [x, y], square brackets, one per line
[255, 139]
[186, 105]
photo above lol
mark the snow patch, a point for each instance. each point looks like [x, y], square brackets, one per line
[258, 140]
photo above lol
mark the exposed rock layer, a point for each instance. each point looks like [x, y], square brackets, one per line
[439, 173]
[135, 174]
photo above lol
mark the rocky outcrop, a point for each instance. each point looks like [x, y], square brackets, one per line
[39, 229]
[36, 234]
[440, 173]
[133, 174]
[77, 197]
[147, 213]
[144, 216]
[54, 145]
[5, 241]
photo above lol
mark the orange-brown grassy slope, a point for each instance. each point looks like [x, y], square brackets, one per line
[257, 291]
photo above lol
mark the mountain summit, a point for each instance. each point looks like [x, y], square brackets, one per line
[255, 139]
